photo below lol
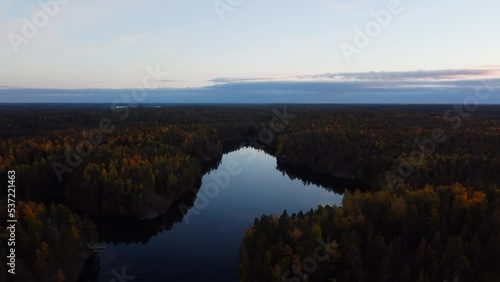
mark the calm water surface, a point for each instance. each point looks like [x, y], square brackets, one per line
[204, 245]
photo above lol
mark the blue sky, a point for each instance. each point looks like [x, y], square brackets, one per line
[255, 51]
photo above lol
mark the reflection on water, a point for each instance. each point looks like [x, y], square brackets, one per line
[307, 176]
[203, 244]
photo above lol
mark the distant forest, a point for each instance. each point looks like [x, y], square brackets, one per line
[429, 209]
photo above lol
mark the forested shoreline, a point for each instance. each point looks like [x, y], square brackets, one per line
[150, 157]
[427, 234]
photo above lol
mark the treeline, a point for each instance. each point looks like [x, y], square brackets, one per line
[445, 233]
[366, 142]
[141, 166]
[129, 168]
[51, 243]
[394, 231]
[153, 156]
[140, 176]
[152, 159]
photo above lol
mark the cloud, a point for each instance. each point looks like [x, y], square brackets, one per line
[440, 86]
[429, 75]
[239, 79]
[408, 75]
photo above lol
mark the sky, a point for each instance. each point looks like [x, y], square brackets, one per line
[316, 51]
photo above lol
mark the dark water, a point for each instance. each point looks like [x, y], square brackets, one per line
[203, 244]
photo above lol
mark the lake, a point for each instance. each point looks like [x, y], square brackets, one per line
[203, 244]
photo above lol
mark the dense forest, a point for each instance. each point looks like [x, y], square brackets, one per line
[427, 234]
[52, 242]
[427, 199]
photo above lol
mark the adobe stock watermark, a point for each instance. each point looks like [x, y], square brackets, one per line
[121, 277]
[221, 179]
[311, 263]
[364, 36]
[225, 6]
[40, 19]
[74, 157]
[455, 117]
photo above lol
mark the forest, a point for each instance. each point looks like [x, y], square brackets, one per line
[429, 234]
[427, 207]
